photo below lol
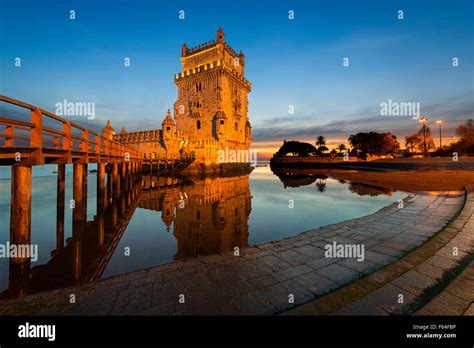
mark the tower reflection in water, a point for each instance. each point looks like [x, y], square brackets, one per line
[209, 216]
[206, 216]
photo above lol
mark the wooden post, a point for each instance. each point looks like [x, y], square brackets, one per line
[115, 210]
[129, 192]
[36, 137]
[20, 213]
[77, 218]
[77, 191]
[122, 205]
[129, 174]
[84, 147]
[9, 136]
[60, 203]
[123, 172]
[100, 202]
[20, 229]
[67, 142]
[116, 179]
[97, 147]
[85, 175]
[100, 184]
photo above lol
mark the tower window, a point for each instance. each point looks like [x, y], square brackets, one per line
[198, 215]
[198, 124]
[236, 126]
[222, 121]
[168, 128]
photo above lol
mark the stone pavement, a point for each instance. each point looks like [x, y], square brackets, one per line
[435, 279]
[270, 278]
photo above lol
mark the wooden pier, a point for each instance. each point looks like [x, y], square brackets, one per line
[31, 136]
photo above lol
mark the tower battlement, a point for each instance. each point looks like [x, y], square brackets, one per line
[213, 66]
[200, 47]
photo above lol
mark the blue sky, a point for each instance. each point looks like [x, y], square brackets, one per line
[289, 62]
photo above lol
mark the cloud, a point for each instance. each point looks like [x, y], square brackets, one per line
[454, 112]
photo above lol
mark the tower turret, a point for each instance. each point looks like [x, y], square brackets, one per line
[168, 125]
[242, 58]
[167, 213]
[108, 132]
[184, 50]
[220, 36]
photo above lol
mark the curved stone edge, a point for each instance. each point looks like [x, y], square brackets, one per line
[419, 276]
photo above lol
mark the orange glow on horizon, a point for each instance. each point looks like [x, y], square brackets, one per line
[266, 149]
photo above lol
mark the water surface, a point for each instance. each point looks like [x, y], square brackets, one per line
[165, 219]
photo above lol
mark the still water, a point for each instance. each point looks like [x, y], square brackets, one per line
[160, 220]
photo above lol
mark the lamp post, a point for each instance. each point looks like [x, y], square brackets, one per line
[439, 122]
[423, 120]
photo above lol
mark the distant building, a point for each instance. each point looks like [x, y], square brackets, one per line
[211, 112]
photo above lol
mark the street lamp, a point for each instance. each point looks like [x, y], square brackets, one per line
[439, 122]
[424, 120]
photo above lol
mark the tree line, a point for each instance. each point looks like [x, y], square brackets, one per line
[365, 144]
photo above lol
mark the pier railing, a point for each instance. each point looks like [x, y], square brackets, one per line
[48, 138]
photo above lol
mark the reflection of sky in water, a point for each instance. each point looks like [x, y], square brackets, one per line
[272, 219]
[146, 235]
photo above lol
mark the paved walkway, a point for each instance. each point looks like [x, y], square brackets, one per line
[270, 278]
[435, 279]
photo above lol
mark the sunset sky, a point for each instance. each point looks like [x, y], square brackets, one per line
[289, 62]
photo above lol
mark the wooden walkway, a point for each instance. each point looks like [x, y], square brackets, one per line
[46, 138]
[31, 136]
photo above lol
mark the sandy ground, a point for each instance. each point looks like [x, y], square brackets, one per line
[432, 180]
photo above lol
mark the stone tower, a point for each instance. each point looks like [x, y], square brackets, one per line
[212, 103]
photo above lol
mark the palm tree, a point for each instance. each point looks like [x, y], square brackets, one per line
[411, 141]
[320, 141]
[341, 147]
[323, 148]
[321, 185]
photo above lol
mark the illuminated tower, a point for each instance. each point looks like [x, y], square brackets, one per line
[213, 95]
